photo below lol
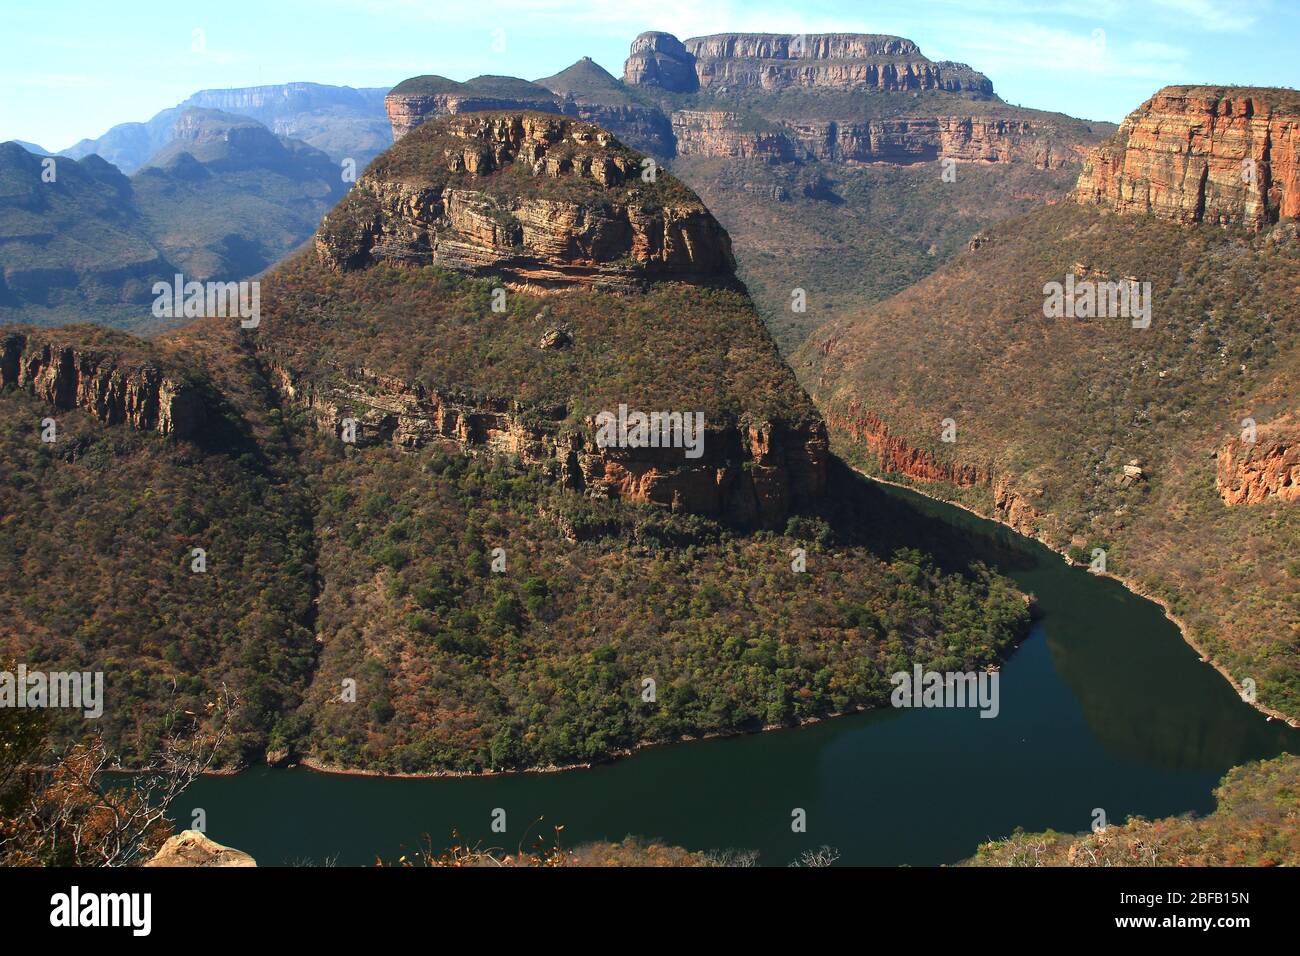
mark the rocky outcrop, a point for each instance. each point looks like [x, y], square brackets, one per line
[448, 195]
[1202, 154]
[192, 848]
[721, 133]
[1266, 470]
[752, 473]
[422, 98]
[779, 61]
[903, 140]
[140, 395]
[895, 456]
[660, 59]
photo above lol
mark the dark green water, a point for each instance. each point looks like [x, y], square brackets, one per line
[1103, 706]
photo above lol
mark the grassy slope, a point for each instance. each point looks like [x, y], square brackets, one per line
[1062, 404]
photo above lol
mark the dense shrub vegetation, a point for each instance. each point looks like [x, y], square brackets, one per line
[1060, 406]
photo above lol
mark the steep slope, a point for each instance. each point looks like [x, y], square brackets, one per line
[271, 190]
[90, 243]
[478, 580]
[77, 239]
[593, 95]
[154, 454]
[1094, 433]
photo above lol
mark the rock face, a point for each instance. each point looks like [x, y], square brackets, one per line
[1202, 154]
[660, 59]
[751, 473]
[450, 194]
[67, 377]
[1267, 470]
[895, 456]
[421, 98]
[192, 848]
[903, 140]
[779, 61]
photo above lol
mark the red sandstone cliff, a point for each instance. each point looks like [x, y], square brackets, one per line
[1202, 154]
[1268, 469]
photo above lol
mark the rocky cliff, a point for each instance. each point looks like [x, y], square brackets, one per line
[539, 197]
[1229, 156]
[895, 456]
[67, 376]
[779, 61]
[903, 140]
[752, 473]
[1265, 470]
[422, 98]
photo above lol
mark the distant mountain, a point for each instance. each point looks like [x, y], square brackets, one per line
[224, 199]
[32, 147]
[822, 154]
[342, 122]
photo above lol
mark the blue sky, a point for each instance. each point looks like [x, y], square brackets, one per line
[73, 69]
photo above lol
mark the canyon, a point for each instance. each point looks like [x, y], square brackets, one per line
[1095, 460]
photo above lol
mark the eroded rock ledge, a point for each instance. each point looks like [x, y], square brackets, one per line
[1267, 470]
[66, 376]
[896, 456]
[538, 197]
[751, 473]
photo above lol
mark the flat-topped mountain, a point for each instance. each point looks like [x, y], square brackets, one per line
[820, 153]
[421, 98]
[775, 61]
[1223, 155]
[539, 197]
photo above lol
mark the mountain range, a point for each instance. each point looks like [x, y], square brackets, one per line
[224, 199]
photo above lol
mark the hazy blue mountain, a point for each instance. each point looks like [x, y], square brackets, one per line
[223, 199]
[342, 122]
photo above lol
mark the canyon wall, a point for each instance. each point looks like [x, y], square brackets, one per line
[904, 140]
[750, 473]
[780, 61]
[140, 395]
[894, 456]
[1202, 154]
[1266, 470]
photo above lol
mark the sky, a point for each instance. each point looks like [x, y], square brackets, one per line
[73, 69]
